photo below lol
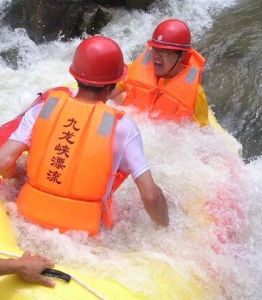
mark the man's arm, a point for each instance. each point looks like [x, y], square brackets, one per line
[9, 153]
[153, 199]
[28, 267]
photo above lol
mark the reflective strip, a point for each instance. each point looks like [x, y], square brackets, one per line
[147, 58]
[106, 124]
[48, 108]
[191, 76]
[172, 44]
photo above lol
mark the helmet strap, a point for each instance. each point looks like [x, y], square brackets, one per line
[179, 55]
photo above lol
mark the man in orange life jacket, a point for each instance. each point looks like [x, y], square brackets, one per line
[79, 147]
[165, 80]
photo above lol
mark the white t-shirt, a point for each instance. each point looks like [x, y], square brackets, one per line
[128, 154]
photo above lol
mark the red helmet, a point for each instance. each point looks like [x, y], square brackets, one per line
[171, 34]
[98, 60]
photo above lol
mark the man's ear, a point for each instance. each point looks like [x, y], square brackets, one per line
[109, 88]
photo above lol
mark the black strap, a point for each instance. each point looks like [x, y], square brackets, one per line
[57, 274]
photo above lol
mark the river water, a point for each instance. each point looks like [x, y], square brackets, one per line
[189, 163]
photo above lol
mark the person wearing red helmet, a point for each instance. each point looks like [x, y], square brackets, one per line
[85, 150]
[165, 80]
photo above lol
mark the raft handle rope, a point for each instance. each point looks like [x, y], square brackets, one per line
[60, 274]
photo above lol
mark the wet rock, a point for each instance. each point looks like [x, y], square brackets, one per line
[93, 19]
[49, 20]
[46, 20]
[9, 58]
[137, 4]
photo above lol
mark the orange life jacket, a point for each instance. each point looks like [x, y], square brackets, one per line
[69, 165]
[164, 99]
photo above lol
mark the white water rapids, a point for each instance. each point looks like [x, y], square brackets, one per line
[193, 165]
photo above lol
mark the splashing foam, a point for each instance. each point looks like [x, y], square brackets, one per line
[211, 193]
[203, 178]
[126, 27]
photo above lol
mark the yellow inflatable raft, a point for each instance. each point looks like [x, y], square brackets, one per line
[169, 283]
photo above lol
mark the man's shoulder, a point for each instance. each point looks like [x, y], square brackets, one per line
[126, 129]
[34, 111]
[126, 123]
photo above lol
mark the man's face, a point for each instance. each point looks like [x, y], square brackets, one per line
[164, 60]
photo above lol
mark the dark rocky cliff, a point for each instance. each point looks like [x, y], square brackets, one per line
[47, 20]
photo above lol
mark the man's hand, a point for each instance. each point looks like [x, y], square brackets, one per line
[120, 98]
[29, 267]
[9, 153]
